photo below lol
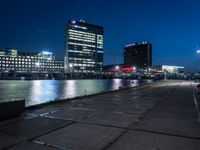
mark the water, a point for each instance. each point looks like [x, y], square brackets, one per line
[42, 91]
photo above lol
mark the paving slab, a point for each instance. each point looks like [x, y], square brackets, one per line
[143, 100]
[176, 105]
[32, 146]
[137, 140]
[7, 141]
[81, 136]
[76, 114]
[117, 119]
[174, 113]
[30, 128]
[179, 127]
[138, 107]
[155, 94]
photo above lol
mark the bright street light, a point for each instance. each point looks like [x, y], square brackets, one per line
[117, 67]
[198, 51]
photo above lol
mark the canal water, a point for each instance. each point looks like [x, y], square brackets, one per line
[41, 91]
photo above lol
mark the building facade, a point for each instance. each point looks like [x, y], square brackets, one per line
[138, 54]
[83, 44]
[15, 61]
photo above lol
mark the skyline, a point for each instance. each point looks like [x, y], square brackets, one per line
[173, 31]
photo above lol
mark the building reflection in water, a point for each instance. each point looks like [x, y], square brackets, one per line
[41, 91]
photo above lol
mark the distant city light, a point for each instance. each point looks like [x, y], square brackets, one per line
[37, 64]
[73, 21]
[47, 53]
[70, 65]
[134, 68]
[198, 51]
[149, 69]
[117, 67]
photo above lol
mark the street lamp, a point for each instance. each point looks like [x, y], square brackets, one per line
[117, 67]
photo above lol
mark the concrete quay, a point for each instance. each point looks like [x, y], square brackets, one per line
[160, 116]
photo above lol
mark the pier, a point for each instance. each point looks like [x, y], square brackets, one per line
[161, 116]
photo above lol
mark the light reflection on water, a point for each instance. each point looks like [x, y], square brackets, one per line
[41, 91]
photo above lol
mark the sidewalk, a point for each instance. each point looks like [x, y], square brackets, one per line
[159, 117]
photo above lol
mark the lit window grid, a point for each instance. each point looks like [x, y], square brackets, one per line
[81, 38]
[25, 64]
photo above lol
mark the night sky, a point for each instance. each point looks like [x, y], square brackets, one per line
[172, 26]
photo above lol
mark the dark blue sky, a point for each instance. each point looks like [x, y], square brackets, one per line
[172, 26]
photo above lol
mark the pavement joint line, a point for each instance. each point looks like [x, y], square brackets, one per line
[30, 139]
[157, 103]
[52, 130]
[114, 140]
[97, 124]
[117, 138]
[168, 134]
[10, 146]
[60, 118]
[11, 121]
[48, 145]
[33, 139]
[106, 125]
[90, 123]
[13, 145]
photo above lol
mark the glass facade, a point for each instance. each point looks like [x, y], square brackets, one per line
[83, 47]
[30, 62]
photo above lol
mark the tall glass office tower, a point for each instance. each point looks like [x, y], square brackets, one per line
[83, 44]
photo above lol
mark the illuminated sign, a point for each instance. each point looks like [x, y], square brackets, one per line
[80, 27]
[130, 45]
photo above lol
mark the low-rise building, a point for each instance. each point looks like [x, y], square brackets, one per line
[16, 61]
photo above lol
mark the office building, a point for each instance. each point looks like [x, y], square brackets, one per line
[83, 47]
[138, 54]
[15, 61]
